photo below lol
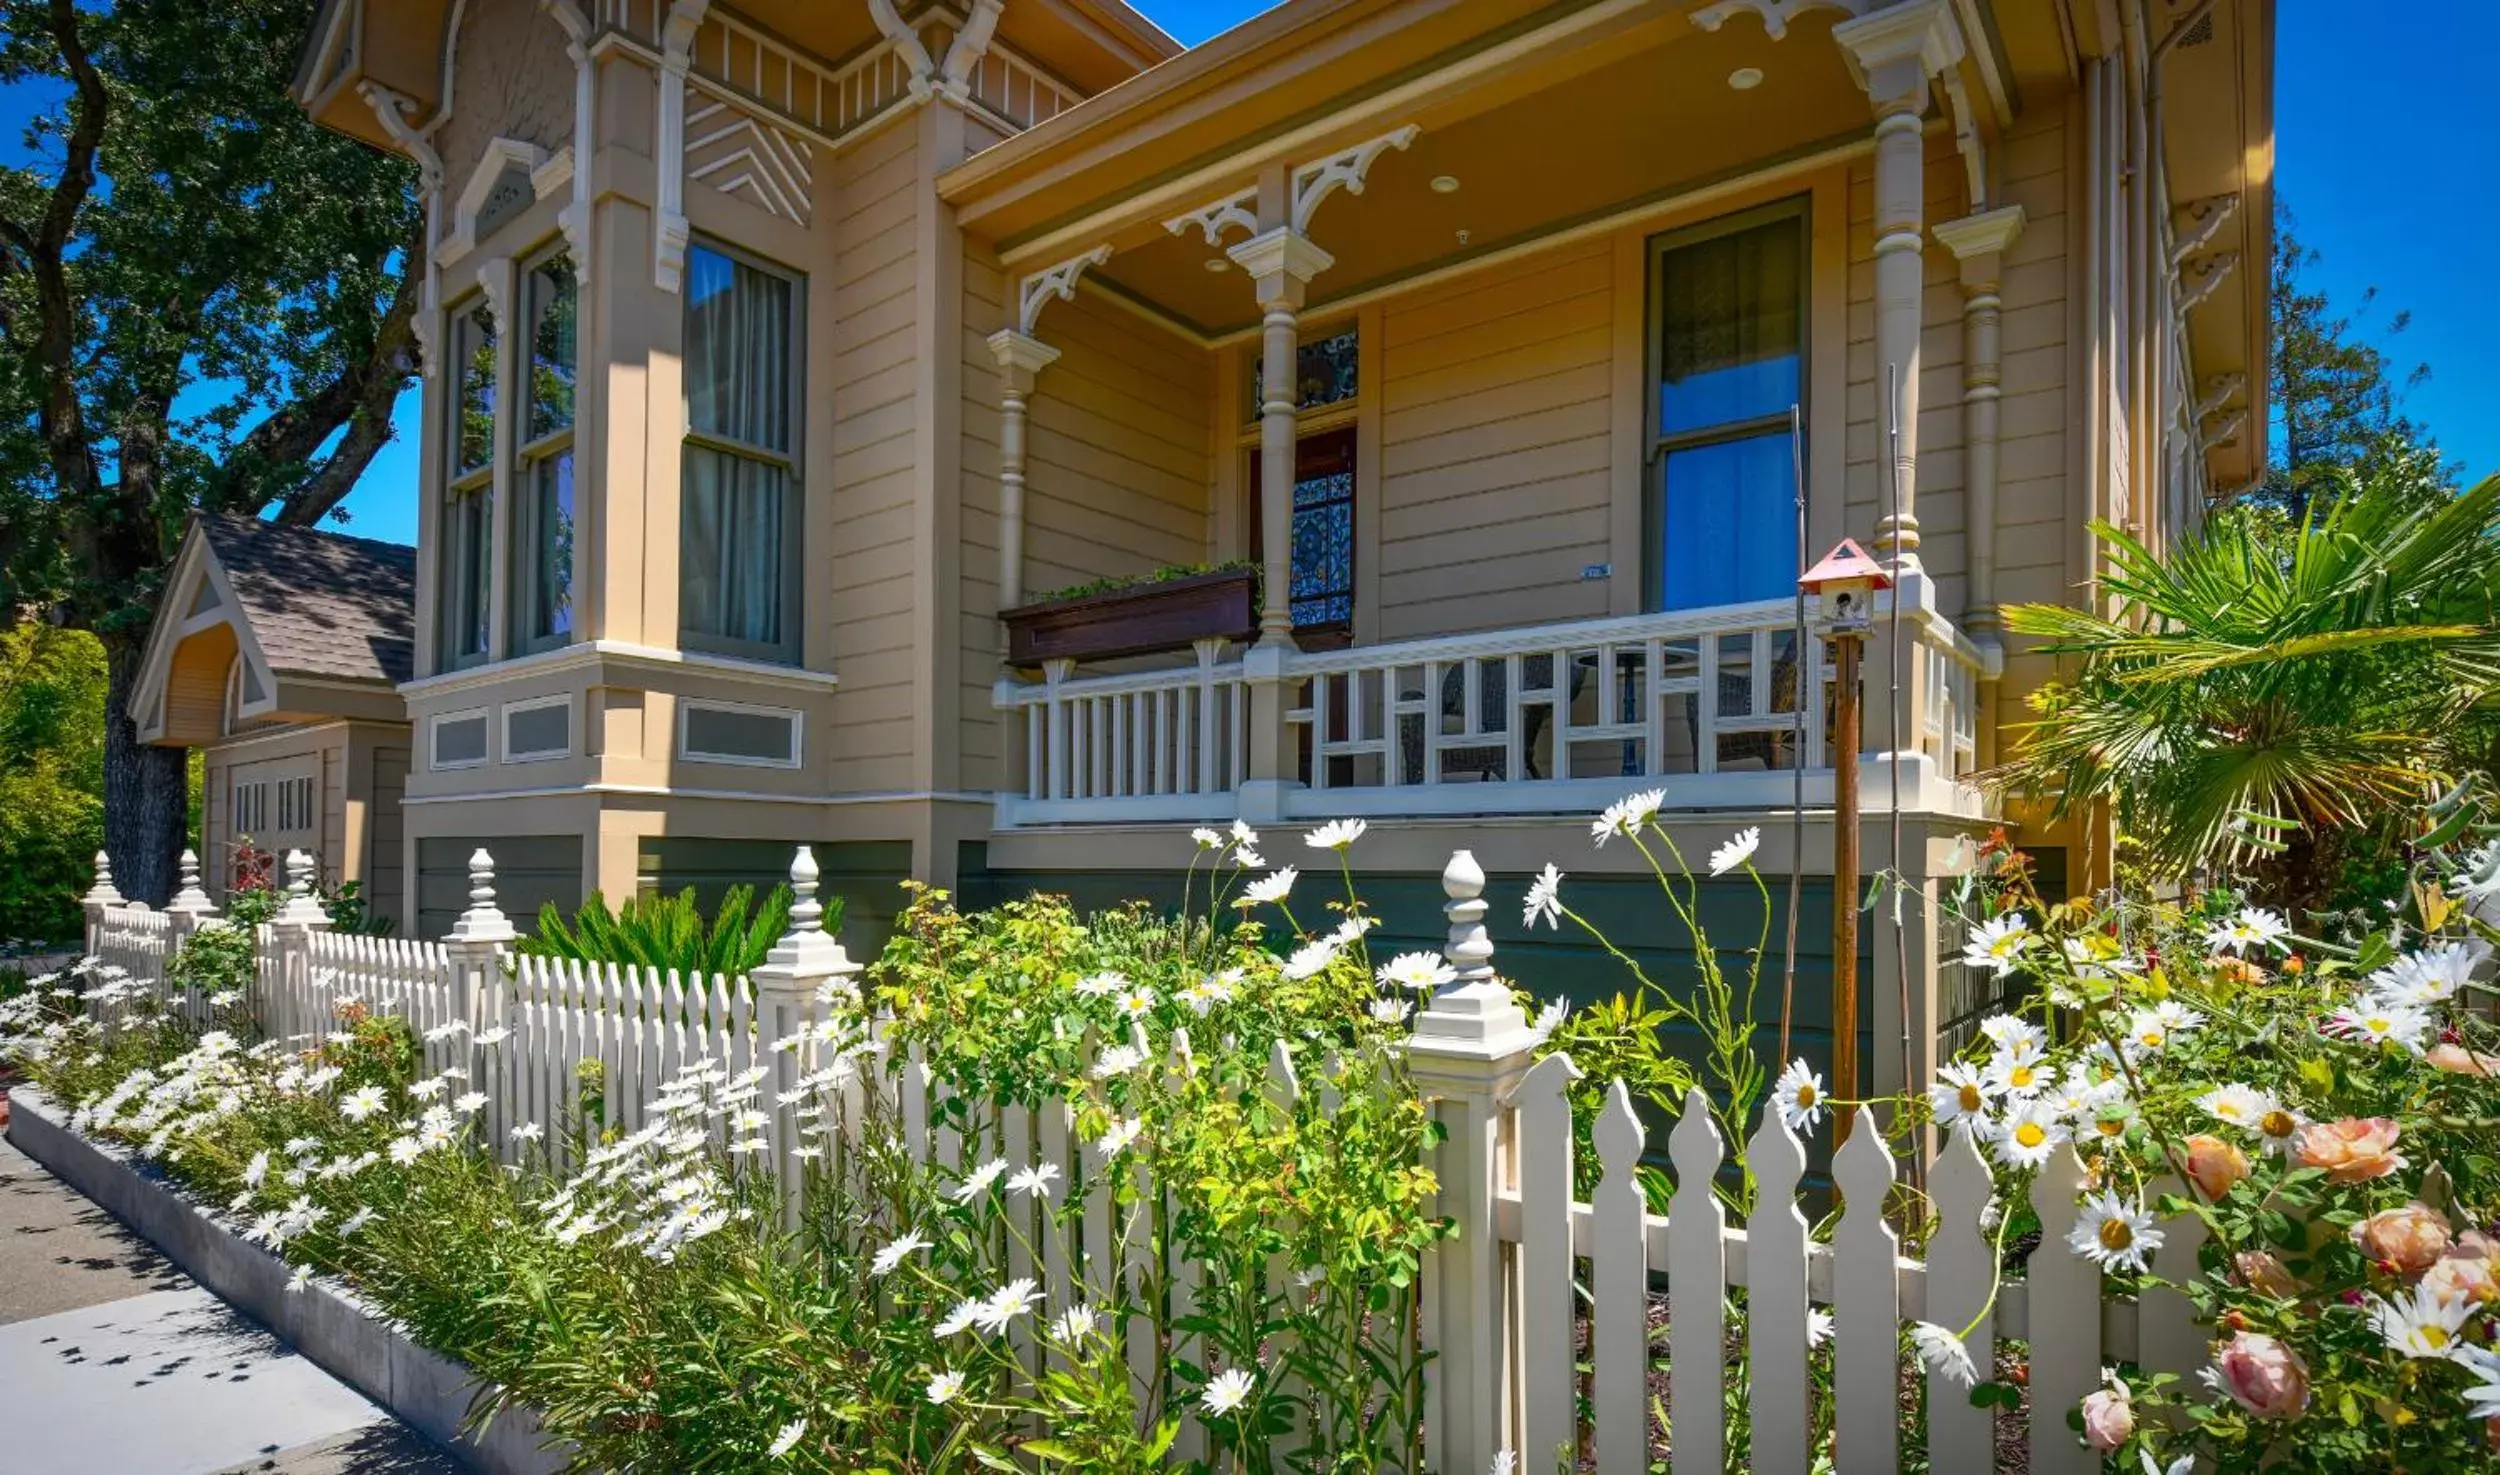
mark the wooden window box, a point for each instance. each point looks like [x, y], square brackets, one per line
[1145, 619]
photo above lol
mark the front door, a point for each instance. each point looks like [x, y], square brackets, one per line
[1322, 564]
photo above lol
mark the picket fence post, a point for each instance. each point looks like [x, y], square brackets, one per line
[190, 910]
[1470, 1047]
[294, 926]
[100, 899]
[803, 961]
[473, 950]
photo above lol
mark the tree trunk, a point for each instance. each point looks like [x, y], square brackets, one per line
[146, 790]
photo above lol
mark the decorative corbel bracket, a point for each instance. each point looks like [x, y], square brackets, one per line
[1967, 139]
[672, 234]
[1038, 290]
[494, 286]
[574, 219]
[2219, 391]
[394, 111]
[970, 45]
[916, 58]
[2198, 224]
[1212, 219]
[2223, 433]
[1776, 14]
[1314, 182]
[2199, 278]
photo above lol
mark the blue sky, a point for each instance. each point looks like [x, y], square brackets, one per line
[2386, 148]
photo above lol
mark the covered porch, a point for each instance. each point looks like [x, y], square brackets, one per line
[1525, 358]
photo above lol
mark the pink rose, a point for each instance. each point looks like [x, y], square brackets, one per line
[2214, 1165]
[2461, 1061]
[2259, 1270]
[2353, 1150]
[2108, 1418]
[2262, 1375]
[2411, 1238]
[2468, 1270]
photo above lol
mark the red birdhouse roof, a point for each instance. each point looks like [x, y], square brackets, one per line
[1847, 561]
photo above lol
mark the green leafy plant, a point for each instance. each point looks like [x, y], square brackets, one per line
[668, 932]
[1168, 573]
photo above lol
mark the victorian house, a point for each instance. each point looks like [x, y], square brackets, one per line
[1417, 410]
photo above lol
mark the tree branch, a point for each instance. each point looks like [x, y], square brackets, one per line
[45, 250]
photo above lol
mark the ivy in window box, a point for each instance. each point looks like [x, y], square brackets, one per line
[1167, 610]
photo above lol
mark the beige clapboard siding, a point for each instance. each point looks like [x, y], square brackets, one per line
[1494, 405]
[513, 81]
[869, 373]
[1117, 475]
[984, 311]
[2034, 531]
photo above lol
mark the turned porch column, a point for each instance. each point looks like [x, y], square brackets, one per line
[1021, 358]
[1894, 52]
[1281, 263]
[1979, 242]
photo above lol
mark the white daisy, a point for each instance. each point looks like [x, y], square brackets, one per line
[2278, 1131]
[1008, 1302]
[1117, 1060]
[1391, 1011]
[2238, 1105]
[528, 1132]
[1544, 902]
[1034, 1182]
[2420, 1324]
[944, 1386]
[1074, 1325]
[1422, 972]
[1227, 1391]
[1138, 1002]
[1206, 839]
[2378, 1022]
[1961, 1094]
[1818, 1326]
[1312, 958]
[1798, 1093]
[1628, 815]
[896, 1251]
[355, 1221]
[1337, 834]
[361, 1103]
[2483, 1399]
[1736, 851]
[2431, 976]
[2249, 928]
[469, 1104]
[2114, 1234]
[958, 1320]
[1101, 985]
[2018, 1077]
[787, 1440]
[1549, 1019]
[256, 1170]
[1998, 945]
[980, 1179]
[1943, 1353]
[2028, 1135]
[1275, 886]
[2012, 1034]
[1117, 1138]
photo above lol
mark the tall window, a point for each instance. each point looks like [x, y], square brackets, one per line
[468, 502]
[1729, 346]
[1328, 382]
[739, 526]
[542, 568]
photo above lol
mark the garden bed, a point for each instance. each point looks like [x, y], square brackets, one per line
[338, 1332]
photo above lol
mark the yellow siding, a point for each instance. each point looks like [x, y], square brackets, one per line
[869, 374]
[984, 312]
[1495, 479]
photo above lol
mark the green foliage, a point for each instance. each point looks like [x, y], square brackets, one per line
[2261, 683]
[668, 932]
[51, 777]
[1120, 583]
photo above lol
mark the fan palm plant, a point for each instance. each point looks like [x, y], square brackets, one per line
[667, 932]
[2260, 684]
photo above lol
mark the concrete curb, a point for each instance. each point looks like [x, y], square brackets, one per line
[341, 1334]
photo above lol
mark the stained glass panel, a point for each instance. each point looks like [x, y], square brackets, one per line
[1327, 371]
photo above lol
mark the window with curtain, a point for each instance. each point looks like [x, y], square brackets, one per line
[542, 553]
[466, 534]
[738, 532]
[1729, 345]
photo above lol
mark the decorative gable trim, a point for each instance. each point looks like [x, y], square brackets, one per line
[508, 165]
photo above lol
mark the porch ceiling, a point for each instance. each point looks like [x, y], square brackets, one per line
[2218, 127]
[1622, 112]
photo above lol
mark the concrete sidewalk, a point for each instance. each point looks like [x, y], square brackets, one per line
[112, 1360]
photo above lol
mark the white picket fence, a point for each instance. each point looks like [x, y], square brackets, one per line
[1536, 1286]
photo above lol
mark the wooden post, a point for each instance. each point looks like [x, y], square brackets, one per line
[1846, 646]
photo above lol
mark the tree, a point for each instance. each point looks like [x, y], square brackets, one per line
[2335, 398]
[185, 228]
[2265, 684]
[51, 777]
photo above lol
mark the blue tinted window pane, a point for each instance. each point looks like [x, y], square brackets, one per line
[1731, 325]
[1323, 549]
[1730, 529]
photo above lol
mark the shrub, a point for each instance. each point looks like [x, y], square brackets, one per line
[667, 932]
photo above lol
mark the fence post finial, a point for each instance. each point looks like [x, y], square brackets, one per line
[1471, 1045]
[484, 921]
[102, 894]
[303, 908]
[806, 962]
[192, 899]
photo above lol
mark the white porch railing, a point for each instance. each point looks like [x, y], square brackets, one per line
[1545, 719]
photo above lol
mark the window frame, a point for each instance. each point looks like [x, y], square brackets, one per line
[1657, 443]
[434, 725]
[790, 650]
[687, 752]
[529, 456]
[459, 486]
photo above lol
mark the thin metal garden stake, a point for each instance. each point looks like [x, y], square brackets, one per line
[1808, 664]
[1900, 937]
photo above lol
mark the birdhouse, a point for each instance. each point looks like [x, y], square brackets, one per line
[1845, 582]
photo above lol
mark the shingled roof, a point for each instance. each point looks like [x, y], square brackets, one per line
[321, 604]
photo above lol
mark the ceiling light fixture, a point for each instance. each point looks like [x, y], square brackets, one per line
[1218, 263]
[1745, 79]
[1445, 184]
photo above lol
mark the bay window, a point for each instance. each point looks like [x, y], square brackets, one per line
[465, 581]
[738, 526]
[542, 531]
[1728, 347]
